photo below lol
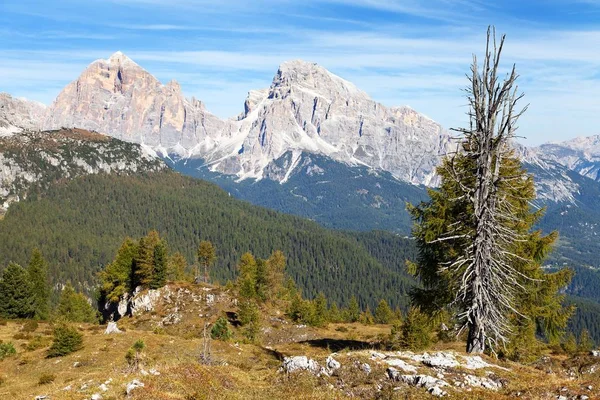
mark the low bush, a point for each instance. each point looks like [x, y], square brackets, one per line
[7, 350]
[66, 340]
[220, 330]
[46, 379]
[29, 326]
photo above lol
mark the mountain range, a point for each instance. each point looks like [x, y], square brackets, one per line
[311, 144]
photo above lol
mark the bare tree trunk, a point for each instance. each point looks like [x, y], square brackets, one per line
[205, 273]
[476, 339]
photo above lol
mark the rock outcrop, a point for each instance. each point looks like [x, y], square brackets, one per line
[40, 158]
[17, 114]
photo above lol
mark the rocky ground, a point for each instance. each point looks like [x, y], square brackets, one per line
[339, 361]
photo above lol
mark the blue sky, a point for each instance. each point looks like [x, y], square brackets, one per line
[413, 52]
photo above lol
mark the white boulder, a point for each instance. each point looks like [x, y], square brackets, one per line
[134, 384]
[112, 328]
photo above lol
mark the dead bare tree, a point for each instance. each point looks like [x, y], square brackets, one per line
[488, 281]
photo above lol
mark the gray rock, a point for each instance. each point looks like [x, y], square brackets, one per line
[432, 384]
[300, 363]
[134, 384]
[366, 368]
[332, 364]
[112, 328]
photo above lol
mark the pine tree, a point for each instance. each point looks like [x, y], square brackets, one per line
[366, 317]
[116, 278]
[40, 288]
[143, 263]
[247, 277]
[321, 312]
[16, 295]
[586, 344]
[478, 256]
[176, 267]
[159, 275]
[74, 307]
[415, 333]
[207, 255]
[276, 274]
[353, 311]
[383, 313]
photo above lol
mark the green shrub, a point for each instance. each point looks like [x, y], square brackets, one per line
[46, 379]
[37, 342]
[7, 350]
[220, 330]
[66, 340]
[569, 344]
[249, 317]
[415, 333]
[134, 354]
[29, 326]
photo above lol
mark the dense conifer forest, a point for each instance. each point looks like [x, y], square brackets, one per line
[79, 225]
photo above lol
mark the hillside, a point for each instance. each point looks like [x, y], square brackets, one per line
[79, 224]
[343, 360]
[38, 159]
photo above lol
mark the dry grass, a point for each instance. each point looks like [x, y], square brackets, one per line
[246, 371]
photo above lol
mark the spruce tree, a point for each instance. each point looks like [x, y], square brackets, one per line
[117, 278]
[16, 294]
[74, 307]
[353, 311]
[321, 311]
[415, 333]
[262, 279]
[383, 313]
[586, 344]
[176, 267]
[143, 263]
[276, 274]
[40, 287]
[207, 254]
[159, 275]
[478, 255]
[247, 277]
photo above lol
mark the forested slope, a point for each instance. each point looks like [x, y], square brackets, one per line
[78, 225]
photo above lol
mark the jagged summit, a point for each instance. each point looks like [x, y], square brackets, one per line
[312, 76]
[305, 109]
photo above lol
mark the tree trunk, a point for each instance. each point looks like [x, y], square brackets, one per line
[476, 339]
[205, 273]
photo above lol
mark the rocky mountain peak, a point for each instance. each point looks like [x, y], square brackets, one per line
[313, 78]
[119, 58]
[119, 98]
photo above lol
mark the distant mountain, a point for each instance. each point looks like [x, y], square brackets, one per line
[306, 109]
[17, 114]
[311, 144]
[581, 155]
[119, 98]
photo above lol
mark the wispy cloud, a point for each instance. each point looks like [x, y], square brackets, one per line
[411, 52]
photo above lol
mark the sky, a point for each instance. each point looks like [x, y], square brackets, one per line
[411, 52]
